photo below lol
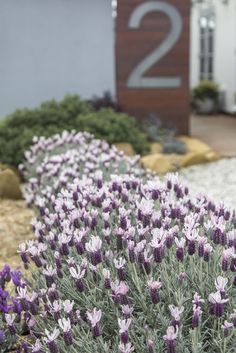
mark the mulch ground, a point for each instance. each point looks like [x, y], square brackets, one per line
[15, 228]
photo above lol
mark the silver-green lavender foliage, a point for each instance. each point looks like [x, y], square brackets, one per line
[127, 266]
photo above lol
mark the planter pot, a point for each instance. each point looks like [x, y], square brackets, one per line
[206, 106]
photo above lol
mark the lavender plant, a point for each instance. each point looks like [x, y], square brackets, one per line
[53, 163]
[11, 311]
[126, 265]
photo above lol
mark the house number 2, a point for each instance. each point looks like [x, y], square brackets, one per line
[137, 78]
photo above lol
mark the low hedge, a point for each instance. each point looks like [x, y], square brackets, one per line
[72, 113]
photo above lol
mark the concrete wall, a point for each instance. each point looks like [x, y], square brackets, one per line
[53, 47]
[225, 49]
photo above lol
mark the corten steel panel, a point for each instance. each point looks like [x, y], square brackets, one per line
[135, 42]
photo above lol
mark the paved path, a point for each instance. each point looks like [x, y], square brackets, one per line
[219, 132]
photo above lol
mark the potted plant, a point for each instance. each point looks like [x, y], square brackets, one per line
[205, 97]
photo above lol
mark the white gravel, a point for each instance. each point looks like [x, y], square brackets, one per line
[216, 180]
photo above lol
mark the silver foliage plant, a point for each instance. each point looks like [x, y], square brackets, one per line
[128, 263]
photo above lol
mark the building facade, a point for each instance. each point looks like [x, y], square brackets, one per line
[49, 48]
[53, 47]
[213, 48]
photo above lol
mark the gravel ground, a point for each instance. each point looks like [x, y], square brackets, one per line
[216, 180]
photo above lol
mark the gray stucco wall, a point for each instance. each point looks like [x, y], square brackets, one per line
[53, 47]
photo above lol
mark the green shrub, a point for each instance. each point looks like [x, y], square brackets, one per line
[206, 89]
[113, 127]
[72, 113]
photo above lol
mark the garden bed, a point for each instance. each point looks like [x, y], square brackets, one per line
[121, 261]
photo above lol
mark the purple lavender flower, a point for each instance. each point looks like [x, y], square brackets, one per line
[226, 257]
[10, 318]
[170, 339]
[119, 292]
[197, 313]
[94, 248]
[218, 303]
[150, 346]
[37, 347]
[158, 245]
[78, 274]
[50, 340]
[94, 318]
[56, 307]
[124, 325]
[191, 236]
[180, 243]
[154, 287]
[65, 325]
[176, 315]
[49, 274]
[220, 284]
[197, 300]
[107, 278]
[127, 311]
[233, 317]
[126, 348]
[207, 252]
[119, 265]
[226, 327]
[68, 309]
[23, 253]
[201, 241]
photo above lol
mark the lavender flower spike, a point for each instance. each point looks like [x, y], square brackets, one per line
[154, 287]
[50, 340]
[65, 325]
[126, 348]
[94, 318]
[124, 328]
[170, 339]
[226, 327]
[94, 248]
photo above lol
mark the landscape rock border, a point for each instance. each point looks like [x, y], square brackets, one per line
[198, 153]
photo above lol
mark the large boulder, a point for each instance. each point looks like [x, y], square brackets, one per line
[9, 184]
[197, 153]
[162, 163]
[125, 147]
[155, 147]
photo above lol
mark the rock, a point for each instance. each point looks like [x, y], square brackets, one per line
[9, 185]
[127, 148]
[157, 163]
[195, 145]
[192, 158]
[163, 163]
[198, 152]
[212, 156]
[155, 147]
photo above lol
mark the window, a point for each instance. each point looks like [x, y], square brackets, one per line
[207, 32]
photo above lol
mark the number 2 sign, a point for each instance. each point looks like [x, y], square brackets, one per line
[152, 54]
